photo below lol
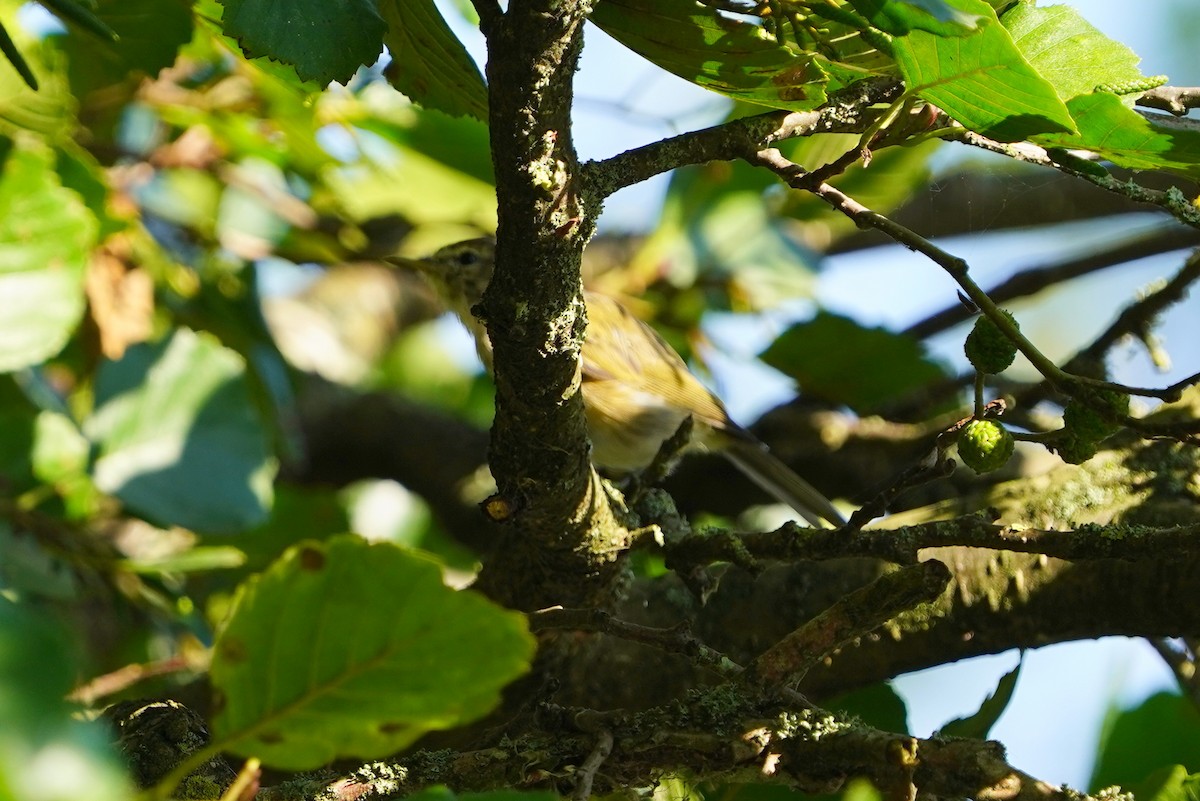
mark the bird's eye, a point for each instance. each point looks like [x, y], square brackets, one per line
[466, 258]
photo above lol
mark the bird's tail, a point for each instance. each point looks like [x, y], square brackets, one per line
[768, 472]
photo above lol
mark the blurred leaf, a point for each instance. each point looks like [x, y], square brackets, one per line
[45, 237]
[193, 560]
[1172, 783]
[878, 705]
[81, 15]
[30, 571]
[838, 361]
[9, 48]
[179, 438]
[325, 40]
[429, 63]
[151, 33]
[446, 794]
[1163, 730]
[1067, 51]
[388, 654]
[44, 754]
[902, 16]
[982, 80]
[367, 191]
[187, 197]
[60, 450]
[16, 435]
[893, 176]
[979, 724]
[1116, 132]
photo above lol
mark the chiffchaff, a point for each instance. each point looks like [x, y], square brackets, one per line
[637, 390]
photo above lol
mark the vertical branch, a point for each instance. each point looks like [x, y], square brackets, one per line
[562, 528]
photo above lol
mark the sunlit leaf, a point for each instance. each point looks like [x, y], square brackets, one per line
[179, 439]
[721, 53]
[1119, 134]
[1067, 50]
[982, 80]
[325, 40]
[345, 648]
[429, 63]
[45, 236]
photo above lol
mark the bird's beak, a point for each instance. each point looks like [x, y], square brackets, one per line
[407, 263]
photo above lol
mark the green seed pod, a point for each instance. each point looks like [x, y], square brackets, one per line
[988, 350]
[1096, 415]
[1085, 423]
[985, 445]
[1074, 450]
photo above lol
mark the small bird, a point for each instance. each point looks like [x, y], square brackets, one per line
[637, 390]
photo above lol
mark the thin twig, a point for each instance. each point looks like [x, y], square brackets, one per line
[857, 614]
[1182, 664]
[1035, 279]
[791, 543]
[1176, 99]
[1175, 203]
[677, 640]
[587, 771]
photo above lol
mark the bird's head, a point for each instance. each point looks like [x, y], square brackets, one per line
[459, 272]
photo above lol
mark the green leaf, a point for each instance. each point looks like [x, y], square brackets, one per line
[982, 81]
[150, 32]
[429, 63]
[837, 360]
[84, 17]
[44, 754]
[45, 236]
[878, 705]
[345, 648]
[720, 53]
[1119, 134]
[979, 724]
[179, 438]
[1067, 51]
[448, 195]
[1172, 783]
[899, 17]
[325, 40]
[1163, 731]
[9, 48]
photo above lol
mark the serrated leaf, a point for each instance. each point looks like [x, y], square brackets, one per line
[1119, 134]
[979, 724]
[429, 63]
[325, 40]
[346, 648]
[899, 17]
[982, 81]
[45, 236]
[837, 360]
[179, 439]
[1067, 51]
[726, 55]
